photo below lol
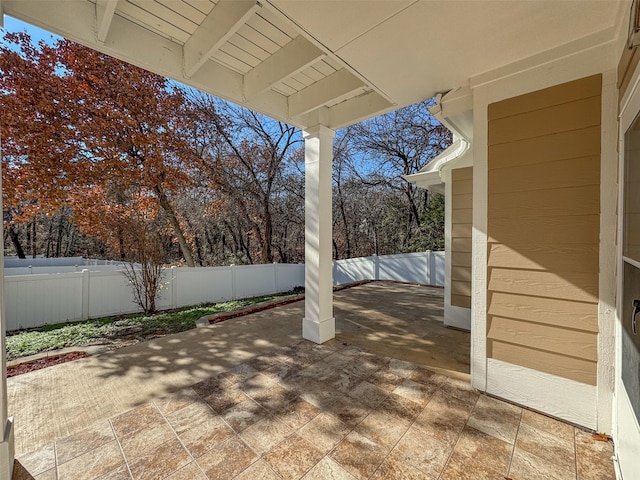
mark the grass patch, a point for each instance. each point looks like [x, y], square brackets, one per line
[111, 330]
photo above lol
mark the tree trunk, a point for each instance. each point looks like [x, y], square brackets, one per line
[34, 244]
[173, 220]
[16, 242]
[267, 239]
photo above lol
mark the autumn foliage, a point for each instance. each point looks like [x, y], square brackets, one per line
[97, 154]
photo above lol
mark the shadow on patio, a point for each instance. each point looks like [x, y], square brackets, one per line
[247, 399]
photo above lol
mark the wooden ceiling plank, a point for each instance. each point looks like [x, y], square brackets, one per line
[230, 61]
[324, 68]
[152, 23]
[185, 9]
[163, 13]
[269, 30]
[105, 9]
[289, 60]
[203, 6]
[253, 36]
[240, 54]
[223, 22]
[278, 22]
[248, 46]
[337, 86]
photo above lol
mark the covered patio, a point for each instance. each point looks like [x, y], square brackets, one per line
[542, 258]
[389, 397]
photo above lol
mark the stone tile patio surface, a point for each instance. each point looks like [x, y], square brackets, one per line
[390, 407]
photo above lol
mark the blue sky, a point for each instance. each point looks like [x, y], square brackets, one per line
[37, 34]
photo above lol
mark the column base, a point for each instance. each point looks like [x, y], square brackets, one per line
[319, 332]
[7, 451]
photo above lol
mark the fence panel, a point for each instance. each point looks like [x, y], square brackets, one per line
[289, 276]
[407, 267]
[36, 300]
[254, 280]
[202, 285]
[354, 270]
[40, 299]
[110, 294]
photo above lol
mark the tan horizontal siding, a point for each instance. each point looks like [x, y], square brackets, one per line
[463, 301]
[461, 288]
[459, 245]
[558, 229]
[544, 337]
[543, 226]
[461, 273]
[583, 142]
[575, 172]
[581, 287]
[537, 123]
[528, 204]
[463, 201]
[548, 97]
[461, 228]
[577, 369]
[527, 256]
[548, 311]
[462, 259]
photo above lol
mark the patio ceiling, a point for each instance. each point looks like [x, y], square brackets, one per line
[329, 62]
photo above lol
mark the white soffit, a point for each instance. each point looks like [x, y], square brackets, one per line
[432, 46]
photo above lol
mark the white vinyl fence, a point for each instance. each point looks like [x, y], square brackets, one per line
[40, 299]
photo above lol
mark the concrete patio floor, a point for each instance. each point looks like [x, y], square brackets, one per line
[388, 398]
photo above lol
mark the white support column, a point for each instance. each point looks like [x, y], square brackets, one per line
[318, 324]
[7, 448]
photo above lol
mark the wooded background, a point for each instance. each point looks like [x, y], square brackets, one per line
[103, 159]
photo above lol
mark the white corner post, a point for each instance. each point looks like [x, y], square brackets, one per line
[7, 448]
[318, 324]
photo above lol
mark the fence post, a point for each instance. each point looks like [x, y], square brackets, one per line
[429, 269]
[233, 281]
[85, 294]
[376, 267]
[275, 277]
[174, 287]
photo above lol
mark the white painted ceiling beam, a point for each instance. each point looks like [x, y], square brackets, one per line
[223, 21]
[334, 88]
[357, 109]
[294, 57]
[105, 10]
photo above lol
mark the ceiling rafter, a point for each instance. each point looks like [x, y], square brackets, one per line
[334, 88]
[105, 10]
[292, 58]
[357, 109]
[226, 18]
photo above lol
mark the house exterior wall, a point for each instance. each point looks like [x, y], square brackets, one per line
[461, 220]
[543, 224]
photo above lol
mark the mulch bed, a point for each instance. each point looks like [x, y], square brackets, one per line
[221, 317]
[44, 362]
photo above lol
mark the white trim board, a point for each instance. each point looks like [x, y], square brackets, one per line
[566, 399]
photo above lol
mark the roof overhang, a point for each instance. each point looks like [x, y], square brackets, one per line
[315, 61]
